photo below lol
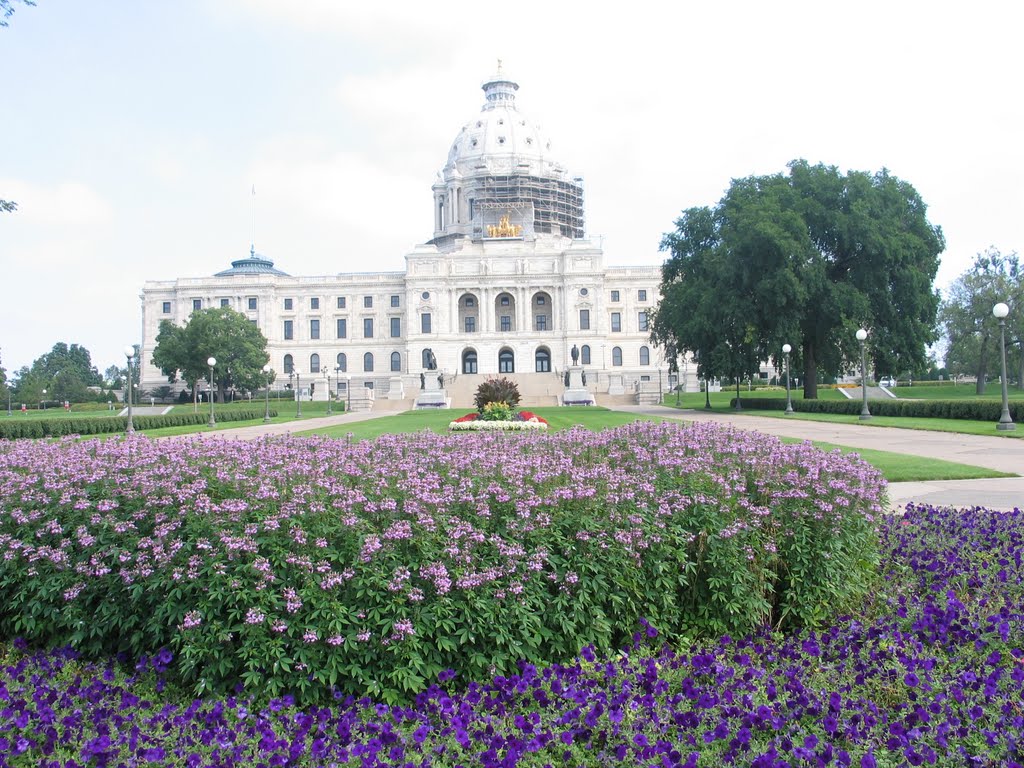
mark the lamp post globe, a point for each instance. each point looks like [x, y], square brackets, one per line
[786, 349]
[865, 414]
[211, 361]
[266, 374]
[1000, 311]
[298, 393]
[129, 353]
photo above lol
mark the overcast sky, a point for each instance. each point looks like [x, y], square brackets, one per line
[133, 132]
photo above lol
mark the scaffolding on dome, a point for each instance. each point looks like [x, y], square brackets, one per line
[557, 206]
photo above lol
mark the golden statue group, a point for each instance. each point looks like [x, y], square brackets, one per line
[504, 228]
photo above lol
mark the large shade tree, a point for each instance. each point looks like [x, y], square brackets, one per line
[806, 258]
[971, 332]
[238, 345]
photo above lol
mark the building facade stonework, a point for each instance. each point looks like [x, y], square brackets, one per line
[508, 283]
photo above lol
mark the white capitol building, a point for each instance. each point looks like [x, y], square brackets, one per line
[507, 284]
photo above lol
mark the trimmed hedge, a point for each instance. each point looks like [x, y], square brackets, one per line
[973, 410]
[37, 428]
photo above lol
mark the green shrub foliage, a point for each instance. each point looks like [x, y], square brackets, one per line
[14, 428]
[310, 565]
[501, 390]
[972, 410]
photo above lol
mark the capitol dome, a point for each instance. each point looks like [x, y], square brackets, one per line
[501, 173]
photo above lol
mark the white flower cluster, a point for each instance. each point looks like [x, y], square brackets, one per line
[495, 426]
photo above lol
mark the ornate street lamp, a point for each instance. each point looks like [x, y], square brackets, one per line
[327, 375]
[865, 414]
[266, 374]
[129, 352]
[1000, 311]
[211, 361]
[298, 393]
[786, 349]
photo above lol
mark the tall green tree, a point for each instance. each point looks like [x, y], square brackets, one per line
[238, 345]
[7, 9]
[971, 332]
[809, 257]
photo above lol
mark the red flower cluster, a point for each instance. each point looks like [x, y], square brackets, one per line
[529, 415]
[468, 417]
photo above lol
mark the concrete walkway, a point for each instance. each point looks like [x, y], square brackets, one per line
[1000, 453]
[287, 427]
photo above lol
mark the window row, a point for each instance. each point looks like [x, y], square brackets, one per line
[615, 321]
[251, 304]
[616, 296]
[341, 328]
[396, 301]
[341, 364]
[341, 302]
[644, 357]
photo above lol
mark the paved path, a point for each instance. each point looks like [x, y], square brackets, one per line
[287, 427]
[999, 453]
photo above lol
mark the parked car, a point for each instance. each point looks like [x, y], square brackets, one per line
[888, 381]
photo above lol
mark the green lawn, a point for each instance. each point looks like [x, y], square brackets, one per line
[589, 417]
[957, 392]
[898, 467]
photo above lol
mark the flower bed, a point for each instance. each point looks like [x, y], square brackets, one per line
[301, 565]
[929, 674]
[524, 421]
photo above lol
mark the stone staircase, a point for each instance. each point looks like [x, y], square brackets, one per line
[535, 389]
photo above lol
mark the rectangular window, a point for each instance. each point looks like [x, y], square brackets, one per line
[641, 295]
[506, 323]
[341, 302]
[197, 304]
[470, 301]
[542, 322]
[368, 328]
[314, 303]
[616, 322]
[641, 321]
[470, 325]
[287, 305]
[425, 322]
[584, 319]
[396, 327]
[289, 332]
[314, 329]
[342, 328]
[368, 302]
[615, 295]
[504, 301]
[225, 303]
[395, 301]
[167, 307]
[540, 301]
[252, 303]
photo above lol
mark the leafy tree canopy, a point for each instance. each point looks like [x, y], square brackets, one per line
[806, 258]
[971, 332]
[7, 9]
[238, 345]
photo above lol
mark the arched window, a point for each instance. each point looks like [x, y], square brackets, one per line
[645, 356]
[469, 361]
[616, 355]
[585, 354]
[314, 363]
[342, 362]
[368, 361]
[289, 364]
[543, 312]
[506, 361]
[542, 360]
[396, 361]
[505, 313]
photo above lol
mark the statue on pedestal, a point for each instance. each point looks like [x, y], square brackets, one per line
[431, 360]
[575, 353]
